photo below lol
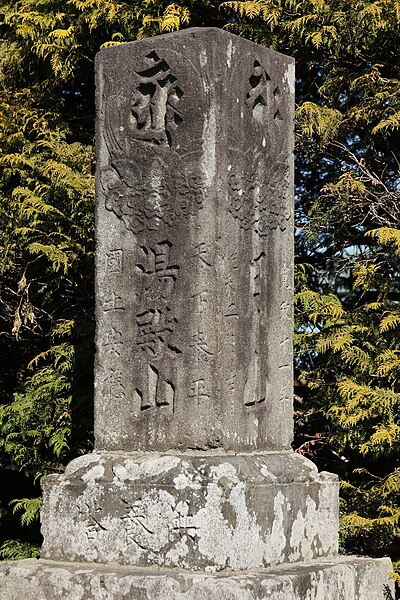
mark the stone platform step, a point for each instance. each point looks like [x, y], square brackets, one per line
[343, 578]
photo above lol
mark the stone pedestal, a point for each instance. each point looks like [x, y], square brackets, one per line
[341, 578]
[193, 491]
[193, 512]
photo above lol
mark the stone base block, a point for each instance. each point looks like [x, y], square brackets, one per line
[190, 511]
[343, 578]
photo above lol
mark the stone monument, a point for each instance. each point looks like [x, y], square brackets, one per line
[193, 491]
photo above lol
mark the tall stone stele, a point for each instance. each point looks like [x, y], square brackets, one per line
[193, 479]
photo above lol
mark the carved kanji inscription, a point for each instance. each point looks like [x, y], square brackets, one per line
[201, 298]
[114, 262]
[113, 302]
[183, 522]
[136, 523]
[231, 294]
[158, 272]
[255, 275]
[155, 101]
[157, 392]
[202, 254]
[199, 390]
[92, 529]
[261, 205]
[112, 341]
[252, 396]
[231, 382]
[277, 96]
[113, 384]
[155, 327]
[200, 346]
[257, 95]
[154, 319]
[261, 93]
[194, 210]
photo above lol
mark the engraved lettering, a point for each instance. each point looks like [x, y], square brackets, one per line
[169, 394]
[235, 260]
[251, 389]
[152, 381]
[255, 270]
[155, 101]
[160, 276]
[277, 112]
[137, 526]
[259, 96]
[261, 205]
[114, 262]
[158, 391]
[253, 401]
[230, 295]
[114, 388]
[114, 302]
[202, 254]
[92, 530]
[285, 310]
[286, 274]
[157, 260]
[138, 399]
[231, 381]
[200, 345]
[199, 390]
[202, 300]
[256, 98]
[113, 341]
[183, 522]
[284, 392]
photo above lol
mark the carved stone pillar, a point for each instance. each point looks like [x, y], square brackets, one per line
[194, 245]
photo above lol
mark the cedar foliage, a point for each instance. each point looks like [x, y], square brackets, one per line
[347, 236]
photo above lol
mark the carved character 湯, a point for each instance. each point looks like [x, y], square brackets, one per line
[159, 274]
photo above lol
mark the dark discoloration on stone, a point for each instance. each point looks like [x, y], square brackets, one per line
[193, 512]
[194, 244]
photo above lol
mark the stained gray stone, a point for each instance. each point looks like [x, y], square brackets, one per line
[194, 512]
[194, 244]
[340, 579]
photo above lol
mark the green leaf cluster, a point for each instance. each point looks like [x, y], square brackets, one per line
[46, 255]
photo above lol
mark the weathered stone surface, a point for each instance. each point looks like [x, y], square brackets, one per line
[193, 512]
[194, 244]
[340, 579]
